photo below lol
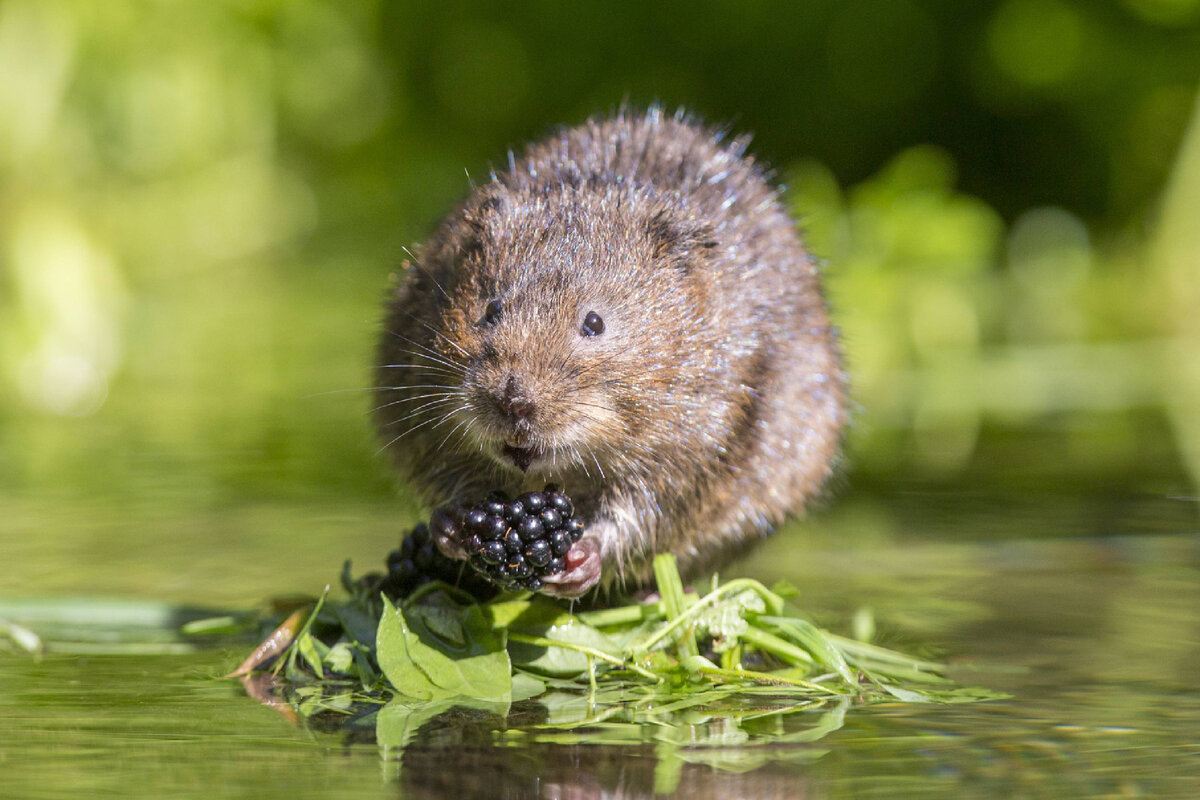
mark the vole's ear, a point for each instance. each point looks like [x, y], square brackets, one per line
[679, 242]
[486, 203]
[474, 222]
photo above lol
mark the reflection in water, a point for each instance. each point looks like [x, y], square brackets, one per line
[588, 772]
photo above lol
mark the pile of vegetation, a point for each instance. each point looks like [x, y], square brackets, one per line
[736, 651]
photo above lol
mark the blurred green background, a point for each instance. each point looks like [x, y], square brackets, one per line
[200, 203]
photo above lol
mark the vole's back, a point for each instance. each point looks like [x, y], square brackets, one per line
[721, 405]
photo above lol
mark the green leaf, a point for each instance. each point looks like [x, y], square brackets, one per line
[358, 625]
[308, 651]
[785, 589]
[396, 663]
[445, 653]
[559, 662]
[211, 626]
[697, 663]
[397, 723]
[812, 639]
[947, 696]
[830, 721]
[907, 695]
[442, 620]
[726, 620]
[526, 687]
[505, 613]
[340, 657]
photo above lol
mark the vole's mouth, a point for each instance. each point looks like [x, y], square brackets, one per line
[521, 457]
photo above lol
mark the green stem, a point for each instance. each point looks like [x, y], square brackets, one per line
[766, 678]
[774, 644]
[774, 605]
[293, 651]
[674, 604]
[621, 615]
[858, 651]
[541, 641]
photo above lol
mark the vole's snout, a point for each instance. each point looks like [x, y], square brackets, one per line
[516, 403]
[516, 410]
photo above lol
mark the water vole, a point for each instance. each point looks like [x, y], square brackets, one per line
[628, 311]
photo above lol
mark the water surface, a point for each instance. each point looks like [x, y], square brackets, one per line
[1094, 631]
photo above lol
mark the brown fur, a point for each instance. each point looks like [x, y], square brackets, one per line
[709, 409]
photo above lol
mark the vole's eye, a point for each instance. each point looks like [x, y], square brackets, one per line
[593, 325]
[492, 312]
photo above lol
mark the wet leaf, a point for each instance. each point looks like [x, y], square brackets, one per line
[559, 661]
[424, 665]
[340, 657]
[396, 662]
[308, 647]
[812, 639]
[526, 687]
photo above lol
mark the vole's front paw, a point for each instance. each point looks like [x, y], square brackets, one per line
[447, 530]
[581, 574]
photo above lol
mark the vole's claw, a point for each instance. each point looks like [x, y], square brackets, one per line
[446, 528]
[581, 574]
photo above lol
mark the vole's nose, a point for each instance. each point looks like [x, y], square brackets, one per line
[516, 402]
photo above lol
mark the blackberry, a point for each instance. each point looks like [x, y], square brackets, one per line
[518, 567]
[516, 543]
[418, 561]
[511, 544]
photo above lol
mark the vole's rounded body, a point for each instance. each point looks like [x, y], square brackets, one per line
[706, 404]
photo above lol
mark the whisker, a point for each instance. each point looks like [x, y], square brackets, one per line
[430, 407]
[596, 460]
[436, 421]
[428, 404]
[429, 352]
[416, 264]
[430, 369]
[438, 398]
[453, 430]
[343, 391]
[434, 330]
